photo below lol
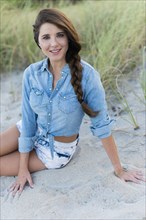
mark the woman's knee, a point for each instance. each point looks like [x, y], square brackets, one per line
[9, 141]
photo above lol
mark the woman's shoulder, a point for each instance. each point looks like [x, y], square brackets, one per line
[85, 64]
[36, 68]
[88, 69]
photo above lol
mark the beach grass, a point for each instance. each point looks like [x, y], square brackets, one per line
[112, 35]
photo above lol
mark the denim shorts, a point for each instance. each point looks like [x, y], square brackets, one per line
[63, 152]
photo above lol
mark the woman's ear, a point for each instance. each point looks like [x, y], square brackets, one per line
[39, 45]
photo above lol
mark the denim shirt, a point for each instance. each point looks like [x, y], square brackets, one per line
[49, 112]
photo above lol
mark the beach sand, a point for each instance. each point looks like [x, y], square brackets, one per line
[86, 188]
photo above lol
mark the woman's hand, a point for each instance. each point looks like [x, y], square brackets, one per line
[23, 177]
[130, 175]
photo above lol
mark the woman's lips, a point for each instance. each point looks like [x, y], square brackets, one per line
[56, 51]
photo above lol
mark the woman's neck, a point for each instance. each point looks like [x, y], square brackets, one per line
[56, 67]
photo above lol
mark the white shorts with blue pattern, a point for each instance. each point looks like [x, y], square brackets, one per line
[63, 152]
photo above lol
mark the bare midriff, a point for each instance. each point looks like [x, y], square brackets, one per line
[65, 139]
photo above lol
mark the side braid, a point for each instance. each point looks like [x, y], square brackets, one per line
[76, 78]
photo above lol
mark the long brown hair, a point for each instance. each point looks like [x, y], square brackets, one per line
[57, 18]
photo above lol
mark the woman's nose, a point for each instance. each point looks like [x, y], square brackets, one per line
[53, 41]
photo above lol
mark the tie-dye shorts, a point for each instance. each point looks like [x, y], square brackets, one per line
[63, 152]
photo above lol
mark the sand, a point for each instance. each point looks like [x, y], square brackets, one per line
[86, 188]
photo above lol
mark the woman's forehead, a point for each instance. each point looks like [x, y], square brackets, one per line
[49, 28]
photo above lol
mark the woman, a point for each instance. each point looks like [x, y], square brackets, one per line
[56, 94]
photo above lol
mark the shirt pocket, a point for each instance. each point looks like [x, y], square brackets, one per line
[68, 103]
[36, 98]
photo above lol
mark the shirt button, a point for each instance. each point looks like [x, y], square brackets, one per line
[50, 101]
[64, 97]
[50, 89]
[49, 114]
[48, 123]
[56, 88]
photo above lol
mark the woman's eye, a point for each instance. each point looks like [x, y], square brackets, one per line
[60, 35]
[46, 37]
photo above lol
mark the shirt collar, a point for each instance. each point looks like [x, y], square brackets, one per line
[44, 65]
[65, 70]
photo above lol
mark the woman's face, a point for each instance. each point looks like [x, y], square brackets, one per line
[54, 42]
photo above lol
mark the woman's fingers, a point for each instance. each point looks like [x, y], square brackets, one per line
[133, 179]
[132, 176]
[11, 187]
[30, 182]
[19, 184]
[138, 175]
[16, 187]
[20, 189]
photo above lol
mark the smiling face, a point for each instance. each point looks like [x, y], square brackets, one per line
[53, 42]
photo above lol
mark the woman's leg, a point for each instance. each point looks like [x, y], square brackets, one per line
[9, 155]
[9, 141]
[9, 164]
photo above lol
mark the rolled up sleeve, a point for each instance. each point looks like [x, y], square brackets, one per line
[101, 126]
[26, 144]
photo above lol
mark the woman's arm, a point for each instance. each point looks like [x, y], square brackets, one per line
[101, 125]
[23, 175]
[112, 152]
[29, 125]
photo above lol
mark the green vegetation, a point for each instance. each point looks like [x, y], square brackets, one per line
[112, 34]
[122, 99]
[38, 3]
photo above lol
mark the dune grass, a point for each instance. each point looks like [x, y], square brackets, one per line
[117, 29]
[112, 35]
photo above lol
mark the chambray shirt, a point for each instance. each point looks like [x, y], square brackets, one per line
[49, 112]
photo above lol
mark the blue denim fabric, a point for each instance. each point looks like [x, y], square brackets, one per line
[49, 112]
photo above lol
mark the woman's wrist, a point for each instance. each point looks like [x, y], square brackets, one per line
[117, 167]
[118, 172]
[24, 158]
